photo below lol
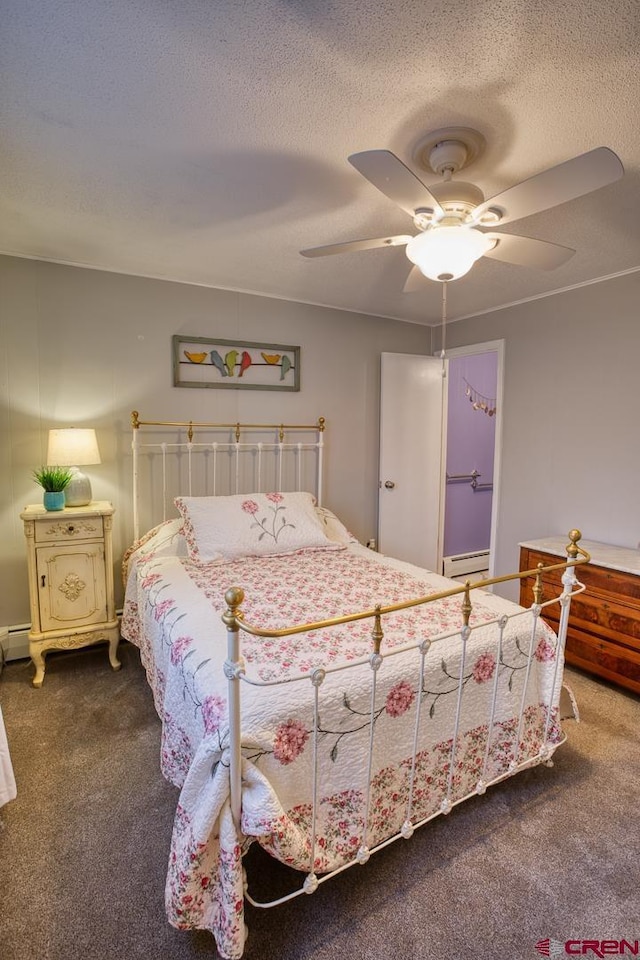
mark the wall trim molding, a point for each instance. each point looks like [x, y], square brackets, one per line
[207, 286]
[549, 293]
[313, 303]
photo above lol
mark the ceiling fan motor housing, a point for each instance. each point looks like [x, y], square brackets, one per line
[449, 149]
[448, 156]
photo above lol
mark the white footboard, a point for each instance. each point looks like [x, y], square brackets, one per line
[507, 740]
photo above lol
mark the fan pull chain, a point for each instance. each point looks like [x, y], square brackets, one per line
[444, 327]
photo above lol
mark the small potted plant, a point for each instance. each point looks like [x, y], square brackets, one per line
[53, 481]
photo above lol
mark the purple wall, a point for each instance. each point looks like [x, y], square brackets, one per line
[470, 444]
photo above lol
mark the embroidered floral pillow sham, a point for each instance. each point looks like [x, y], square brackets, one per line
[251, 525]
[334, 528]
[164, 540]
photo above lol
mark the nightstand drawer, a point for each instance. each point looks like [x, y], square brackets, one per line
[69, 529]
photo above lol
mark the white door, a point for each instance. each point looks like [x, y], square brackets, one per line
[413, 454]
[411, 458]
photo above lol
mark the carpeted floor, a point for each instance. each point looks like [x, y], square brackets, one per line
[553, 852]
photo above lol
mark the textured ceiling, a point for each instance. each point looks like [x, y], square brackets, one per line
[207, 140]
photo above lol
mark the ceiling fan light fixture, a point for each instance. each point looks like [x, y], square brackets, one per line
[447, 252]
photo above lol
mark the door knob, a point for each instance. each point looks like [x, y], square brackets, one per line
[389, 484]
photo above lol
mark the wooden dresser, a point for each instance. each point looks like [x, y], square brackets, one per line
[604, 623]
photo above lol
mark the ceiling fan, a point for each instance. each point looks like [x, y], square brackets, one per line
[456, 224]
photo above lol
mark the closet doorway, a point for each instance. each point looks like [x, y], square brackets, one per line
[423, 517]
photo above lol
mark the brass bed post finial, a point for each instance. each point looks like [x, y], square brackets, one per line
[190, 431]
[321, 424]
[466, 603]
[237, 433]
[572, 548]
[135, 422]
[377, 634]
[537, 587]
[234, 597]
[281, 433]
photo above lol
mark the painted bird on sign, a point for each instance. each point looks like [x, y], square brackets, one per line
[230, 361]
[285, 366]
[218, 362]
[245, 362]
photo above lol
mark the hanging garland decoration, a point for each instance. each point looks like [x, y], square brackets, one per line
[479, 401]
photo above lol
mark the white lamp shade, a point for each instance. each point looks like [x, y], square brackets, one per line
[72, 447]
[447, 252]
[69, 448]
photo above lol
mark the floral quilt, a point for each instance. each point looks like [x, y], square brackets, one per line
[172, 612]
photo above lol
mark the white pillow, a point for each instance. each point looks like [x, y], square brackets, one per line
[251, 525]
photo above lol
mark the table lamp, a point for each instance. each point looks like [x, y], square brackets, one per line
[72, 447]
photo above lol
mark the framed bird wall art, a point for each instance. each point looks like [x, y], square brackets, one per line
[234, 365]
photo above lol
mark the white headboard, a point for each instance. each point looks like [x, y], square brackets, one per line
[191, 458]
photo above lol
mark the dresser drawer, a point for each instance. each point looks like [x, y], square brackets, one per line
[610, 660]
[599, 580]
[529, 560]
[68, 529]
[607, 618]
[598, 649]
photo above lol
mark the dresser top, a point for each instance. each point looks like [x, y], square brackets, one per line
[603, 554]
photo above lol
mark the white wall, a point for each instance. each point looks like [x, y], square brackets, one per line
[571, 417]
[83, 347]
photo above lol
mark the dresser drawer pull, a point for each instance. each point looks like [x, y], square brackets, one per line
[43, 580]
[70, 528]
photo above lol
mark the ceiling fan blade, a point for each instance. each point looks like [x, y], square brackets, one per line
[350, 245]
[568, 180]
[416, 281]
[389, 174]
[527, 252]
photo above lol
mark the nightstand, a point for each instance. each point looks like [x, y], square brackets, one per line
[70, 559]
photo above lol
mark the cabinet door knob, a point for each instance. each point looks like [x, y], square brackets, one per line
[389, 484]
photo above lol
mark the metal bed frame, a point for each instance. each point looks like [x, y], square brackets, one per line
[236, 625]
[257, 438]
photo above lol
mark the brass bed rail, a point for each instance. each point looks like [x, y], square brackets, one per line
[233, 617]
[192, 425]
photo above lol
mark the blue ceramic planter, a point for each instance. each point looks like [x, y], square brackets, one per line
[53, 500]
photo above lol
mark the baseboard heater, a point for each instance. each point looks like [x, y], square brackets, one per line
[14, 643]
[463, 566]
